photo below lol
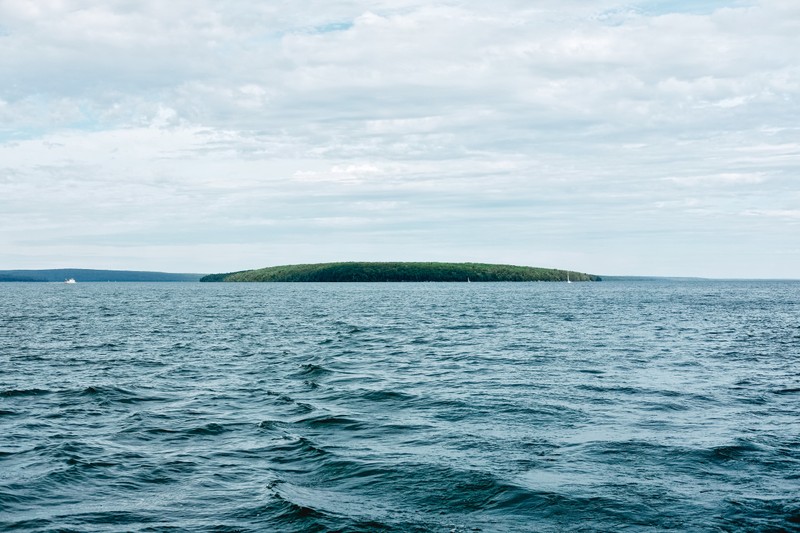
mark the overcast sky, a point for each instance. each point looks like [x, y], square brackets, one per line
[652, 137]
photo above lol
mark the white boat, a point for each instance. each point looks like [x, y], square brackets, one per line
[70, 281]
[568, 281]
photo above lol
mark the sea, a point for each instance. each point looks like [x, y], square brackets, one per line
[400, 407]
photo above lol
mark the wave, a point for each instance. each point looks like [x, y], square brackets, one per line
[382, 408]
[14, 393]
[331, 421]
[211, 428]
[791, 390]
[310, 370]
[387, 396]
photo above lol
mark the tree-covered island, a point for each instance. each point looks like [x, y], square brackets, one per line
[399, 271]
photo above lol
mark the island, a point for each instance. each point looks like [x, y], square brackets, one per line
[398, 272]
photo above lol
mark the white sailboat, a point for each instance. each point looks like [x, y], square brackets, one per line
[568, 281]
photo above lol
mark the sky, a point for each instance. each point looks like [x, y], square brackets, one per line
[619, 138]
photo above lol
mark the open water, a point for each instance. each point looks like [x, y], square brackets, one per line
[631, 406]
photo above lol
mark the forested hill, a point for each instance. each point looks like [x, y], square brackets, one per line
[84, 275]
[371, 272]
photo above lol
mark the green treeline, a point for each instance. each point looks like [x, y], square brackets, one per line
[376, 272]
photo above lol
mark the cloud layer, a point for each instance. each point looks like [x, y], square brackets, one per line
[621, 138]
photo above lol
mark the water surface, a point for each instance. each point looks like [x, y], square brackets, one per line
[639, 406]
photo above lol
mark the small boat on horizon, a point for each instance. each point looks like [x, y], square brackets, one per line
[70, 281]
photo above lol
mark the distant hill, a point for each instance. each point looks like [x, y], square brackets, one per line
[374, 272]
[84, 275]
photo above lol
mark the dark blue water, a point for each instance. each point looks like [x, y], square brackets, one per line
[400, 407]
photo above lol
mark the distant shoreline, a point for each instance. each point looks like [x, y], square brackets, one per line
[305, 273]
[83, 275]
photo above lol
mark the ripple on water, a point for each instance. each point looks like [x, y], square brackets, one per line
[400, 407]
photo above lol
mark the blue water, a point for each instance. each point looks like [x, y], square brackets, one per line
[635, 406]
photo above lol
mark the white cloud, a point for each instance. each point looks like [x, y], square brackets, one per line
[786, 214]
[715, 180]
